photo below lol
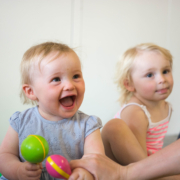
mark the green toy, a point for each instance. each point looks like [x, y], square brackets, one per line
[34, 148]
[0, 174]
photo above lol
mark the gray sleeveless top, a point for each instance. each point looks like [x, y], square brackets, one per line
[65, 137]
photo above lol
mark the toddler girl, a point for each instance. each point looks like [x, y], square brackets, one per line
[144, 77]
[51, 77]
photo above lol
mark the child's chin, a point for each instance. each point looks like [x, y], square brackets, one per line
[67, 113]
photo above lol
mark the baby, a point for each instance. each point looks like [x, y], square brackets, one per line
[51, 78]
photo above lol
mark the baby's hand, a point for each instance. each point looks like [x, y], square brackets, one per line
[81, 174]
[28, 171]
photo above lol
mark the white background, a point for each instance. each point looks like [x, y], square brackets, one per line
[101, 30]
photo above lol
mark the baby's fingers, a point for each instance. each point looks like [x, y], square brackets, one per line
[74, 176]
[32, 167]
[33, 170]
[81, 174]
[40, 164]
[33, 175]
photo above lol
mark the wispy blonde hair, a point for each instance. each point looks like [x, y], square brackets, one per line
[125, 65]
[35, 55]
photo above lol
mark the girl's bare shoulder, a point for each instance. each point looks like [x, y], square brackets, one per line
[134, 114]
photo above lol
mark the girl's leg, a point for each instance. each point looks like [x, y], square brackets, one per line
[120, 143]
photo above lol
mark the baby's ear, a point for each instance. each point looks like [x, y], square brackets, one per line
[29, 92]
[129, 85]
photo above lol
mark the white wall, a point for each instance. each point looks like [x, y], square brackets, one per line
[101, 30]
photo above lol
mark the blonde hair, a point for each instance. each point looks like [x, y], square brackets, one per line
[125, 64]
[34, 55]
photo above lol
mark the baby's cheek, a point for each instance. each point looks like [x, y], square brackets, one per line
[149, 89]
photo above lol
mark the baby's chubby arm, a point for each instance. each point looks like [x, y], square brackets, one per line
[10, 165]
[93, 144]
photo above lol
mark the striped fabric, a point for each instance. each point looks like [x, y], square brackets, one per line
[156, 131]
[155, 137]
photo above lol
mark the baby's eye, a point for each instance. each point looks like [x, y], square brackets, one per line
[56, 79]
[166, 71]
[149, 75]
[76, 76]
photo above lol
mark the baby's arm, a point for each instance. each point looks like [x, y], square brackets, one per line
[93, 144]
[10, 165]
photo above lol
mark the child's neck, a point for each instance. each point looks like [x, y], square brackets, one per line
[159, 110]
[147, 103]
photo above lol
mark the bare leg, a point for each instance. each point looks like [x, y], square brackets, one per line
[120, 143]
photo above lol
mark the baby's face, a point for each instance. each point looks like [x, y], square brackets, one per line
[59, 86]
[152, 76]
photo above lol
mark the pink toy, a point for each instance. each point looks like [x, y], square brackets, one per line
[58, 166]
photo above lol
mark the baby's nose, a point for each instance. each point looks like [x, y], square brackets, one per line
[161, 78]
[68, 86]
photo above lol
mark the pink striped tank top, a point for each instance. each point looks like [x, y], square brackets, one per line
[156, 131]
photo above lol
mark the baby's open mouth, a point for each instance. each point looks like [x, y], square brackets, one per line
[67, 101]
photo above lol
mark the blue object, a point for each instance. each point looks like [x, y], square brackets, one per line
[178, 136]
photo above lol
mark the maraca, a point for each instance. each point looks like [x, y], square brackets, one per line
[57, 166]
[34, 148]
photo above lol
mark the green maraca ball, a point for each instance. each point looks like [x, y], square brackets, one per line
[34, 148]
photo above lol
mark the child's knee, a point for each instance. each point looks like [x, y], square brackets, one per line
[113, 127]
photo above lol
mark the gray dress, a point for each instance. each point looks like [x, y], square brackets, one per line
[65, 137]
